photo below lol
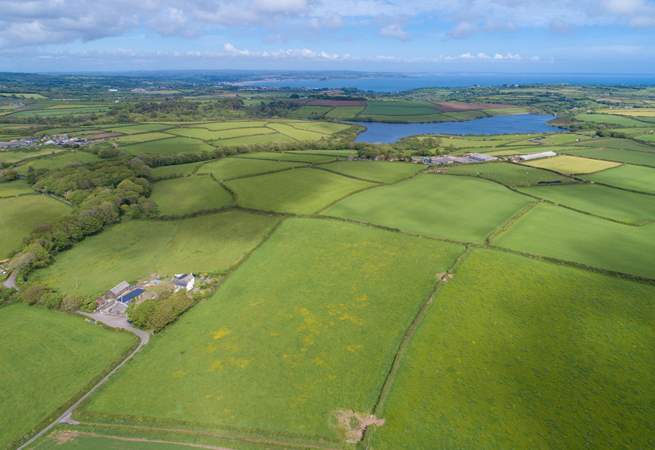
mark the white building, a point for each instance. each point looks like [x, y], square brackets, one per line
[533, 156]
[184, 281]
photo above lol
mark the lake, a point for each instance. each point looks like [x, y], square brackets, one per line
[386, 133]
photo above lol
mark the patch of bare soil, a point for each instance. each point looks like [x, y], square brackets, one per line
[444, 277]
[354, 424]
[65, 436]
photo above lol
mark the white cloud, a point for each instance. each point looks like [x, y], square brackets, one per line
[290, 53]
[42, 22]
[394, 31]
[462, 29]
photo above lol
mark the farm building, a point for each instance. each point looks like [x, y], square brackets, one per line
[533, 156]
[118, 290]
[480, 157]
[184, 281]
[131, 295]
[471, 158]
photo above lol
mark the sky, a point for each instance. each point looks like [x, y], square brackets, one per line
[520, 36]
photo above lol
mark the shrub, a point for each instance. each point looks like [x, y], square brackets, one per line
[32, 294]
[71, 303]
[156, 314]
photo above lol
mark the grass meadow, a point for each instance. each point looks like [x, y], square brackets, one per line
[306, 157]
[135, 249]
[20, 215]
[141, 128]
[336, 153]
[48, 358]
[571, 165]
[170, 146]
[188, 195]
[514, 175]
[604, 201]
[58, 161]
[567, 235]
[344, 112]
[286, 340]
[14, 188]
[178, 170]
[255, 139]
[619, 155]
[299, 191]
[451, 207]
[607, 119]
[631, 112]
[379, 171]
[617, 143]
[227, 168]
[13, 157]
[142, 137]
[635, 178]
[518, 353]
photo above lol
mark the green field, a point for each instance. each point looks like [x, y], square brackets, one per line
[310, 112]
[13, 157]
[379, 171]
[58, 112]
[171, 146]
[329, 302]
[344, 112]
[232, 124]
[208, 135]
[522, 354]
[296, 133]
[337, 153]
[141, 128]
[227, 168]
[77, 438]
[607, 119]
[134, 249]
[570, 165]
[604, 201]
[635, 178]
[256, 139]
[320, 127]
[300, 191]
[398, 108]
[188, 195]
[306, 157]
[618, 155]
[20, 215]
[451, 207]
[178, 170]
[28, 95]
[14, 188]
[48, 359]
[616, 143]
[142, 137]
[567, 235]
[509, 174]
[631, 112]
[58, 161]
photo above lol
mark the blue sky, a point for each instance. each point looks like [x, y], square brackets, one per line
[601, 36]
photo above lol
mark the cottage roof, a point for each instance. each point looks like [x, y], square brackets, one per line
[182, 279]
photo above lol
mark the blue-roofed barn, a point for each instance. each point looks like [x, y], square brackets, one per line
[128, 297]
